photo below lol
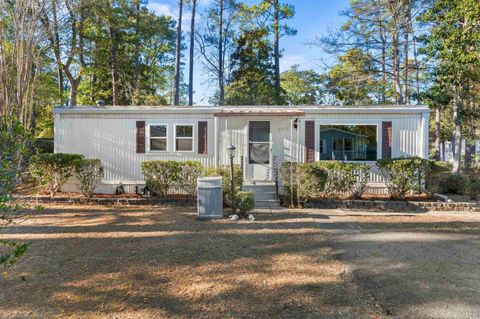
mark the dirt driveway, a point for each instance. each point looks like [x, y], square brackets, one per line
[144, 262]
[415, 266]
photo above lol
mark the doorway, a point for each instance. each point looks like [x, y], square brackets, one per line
[259, 151]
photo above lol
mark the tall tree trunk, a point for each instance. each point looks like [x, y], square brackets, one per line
[276, 44]
[74, 83]
[384, 70]
[457, 108]
[396, 67]
[56, 49]
[437, 134]
[221, 82]
[60, 84]
[470, 151]
[136, 71]
[406, 45]
[114, 63]
[192, 53]
[395, 11]
[443, 150]
[415, 61]
[176, 98]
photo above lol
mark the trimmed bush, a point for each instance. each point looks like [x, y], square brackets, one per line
[475, 189]
[308, 180]
[52, 171]
[44, 145]
[404, 175]
[89, 173]
[438, 172]
[224, 172]
[355, 177]
[456, 184]
[334, 185]
[244, 202]
[474, 171]
[160, 176]
[189, 173]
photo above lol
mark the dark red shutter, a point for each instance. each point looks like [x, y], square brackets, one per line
[202, 138]
[140, 137]
[309, 141]
[386, 140]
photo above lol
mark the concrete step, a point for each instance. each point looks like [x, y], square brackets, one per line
[267, 204]
[259, 190]
[264, 196]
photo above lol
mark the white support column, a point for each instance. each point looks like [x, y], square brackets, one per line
[56, 132]
[425, 131]
[216, 140]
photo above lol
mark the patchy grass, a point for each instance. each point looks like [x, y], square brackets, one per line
[152, 262]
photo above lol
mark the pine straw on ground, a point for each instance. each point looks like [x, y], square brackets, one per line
[160, 262]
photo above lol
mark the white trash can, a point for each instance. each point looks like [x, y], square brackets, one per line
[209, 197]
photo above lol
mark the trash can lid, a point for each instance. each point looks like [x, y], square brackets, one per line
[209, 181]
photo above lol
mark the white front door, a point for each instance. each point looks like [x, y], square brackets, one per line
[259, 151]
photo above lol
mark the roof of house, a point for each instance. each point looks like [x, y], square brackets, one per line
[247, 110]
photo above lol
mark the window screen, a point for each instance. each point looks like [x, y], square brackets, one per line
[184, 138]
[158, 137]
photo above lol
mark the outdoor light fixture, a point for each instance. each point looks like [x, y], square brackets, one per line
[295, 124]
[231, 152]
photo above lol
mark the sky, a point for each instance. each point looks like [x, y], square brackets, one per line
[312, 18]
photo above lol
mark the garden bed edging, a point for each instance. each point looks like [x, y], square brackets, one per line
[380, 205]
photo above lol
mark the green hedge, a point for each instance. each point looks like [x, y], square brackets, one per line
[224, 172]
[345, 178]
[52, 171]
[302, 181]
[404, 175]
[438, 172]
[162, 176]
[456, 184]
[89, 173]
[327, 179]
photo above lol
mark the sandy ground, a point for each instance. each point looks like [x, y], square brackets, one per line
[414, 265]
[144, 262]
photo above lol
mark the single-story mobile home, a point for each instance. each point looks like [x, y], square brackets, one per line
[124, 137]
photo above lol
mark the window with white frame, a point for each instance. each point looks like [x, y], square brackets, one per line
[348, 142]
[323, 146]
[184, 138]
[158, 138]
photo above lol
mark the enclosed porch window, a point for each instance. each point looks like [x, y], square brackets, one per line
[348, 142]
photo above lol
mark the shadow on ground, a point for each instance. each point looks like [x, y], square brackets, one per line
[152, 262]
[416, 266]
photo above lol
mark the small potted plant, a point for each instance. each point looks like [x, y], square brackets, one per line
[245, 203]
